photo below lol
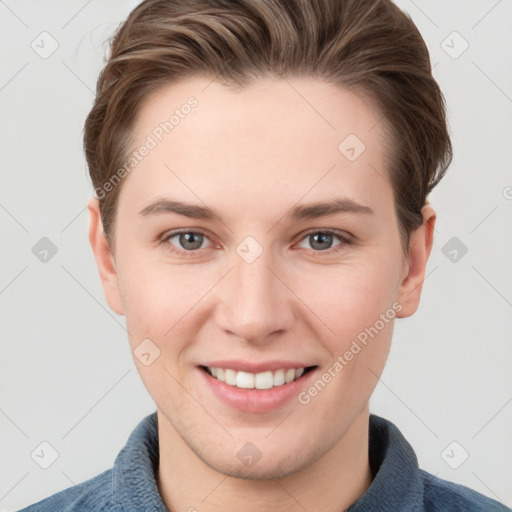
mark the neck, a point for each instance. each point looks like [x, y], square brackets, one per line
[331, 484]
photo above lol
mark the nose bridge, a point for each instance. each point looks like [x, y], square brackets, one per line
[256, 304]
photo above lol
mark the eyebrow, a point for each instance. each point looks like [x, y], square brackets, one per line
[300, 212]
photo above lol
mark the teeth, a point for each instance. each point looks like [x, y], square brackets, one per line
[230, 377]
[245, 380]
[263, 380]
[279, 378]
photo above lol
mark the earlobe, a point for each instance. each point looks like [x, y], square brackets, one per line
[421, 242]
[104, 258]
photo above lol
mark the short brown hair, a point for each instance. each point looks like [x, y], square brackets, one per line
[368, 46]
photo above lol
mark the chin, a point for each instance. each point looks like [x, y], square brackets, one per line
[262, 466]
[260, 471]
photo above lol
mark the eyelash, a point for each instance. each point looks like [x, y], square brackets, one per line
[343, 238]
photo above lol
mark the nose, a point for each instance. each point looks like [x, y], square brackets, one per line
[255, 302]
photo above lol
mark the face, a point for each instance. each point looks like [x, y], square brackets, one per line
[225, 259]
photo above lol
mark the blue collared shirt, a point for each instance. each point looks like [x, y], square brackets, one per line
[398, 483]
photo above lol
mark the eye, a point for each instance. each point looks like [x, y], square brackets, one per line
[321, 241]
[189, 242]
[186, 241]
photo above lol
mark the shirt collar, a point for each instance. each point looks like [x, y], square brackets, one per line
[394, 466]
[134, 475]
[397, 483]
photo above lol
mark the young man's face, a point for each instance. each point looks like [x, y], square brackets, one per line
[255, 288]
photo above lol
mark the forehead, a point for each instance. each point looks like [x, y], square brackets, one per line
[276, 139]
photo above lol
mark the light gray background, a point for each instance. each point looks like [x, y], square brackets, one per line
[67, 376]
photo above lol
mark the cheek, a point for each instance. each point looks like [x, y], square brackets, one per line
[359, 307]
[348, 298]
[166, 304]
[155, 295]
[159, 304]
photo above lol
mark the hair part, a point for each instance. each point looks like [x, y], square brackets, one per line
[370, 47]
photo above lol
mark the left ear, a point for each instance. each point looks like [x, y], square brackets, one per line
[421, 241]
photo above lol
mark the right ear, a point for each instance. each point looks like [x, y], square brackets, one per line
[104, 258]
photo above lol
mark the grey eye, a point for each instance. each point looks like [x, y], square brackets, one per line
[189, 240]
[320, 240]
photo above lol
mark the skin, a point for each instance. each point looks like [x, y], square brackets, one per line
[252, 155]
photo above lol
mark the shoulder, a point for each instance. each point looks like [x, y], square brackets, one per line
[441, 495]
[131, 482]
[93, 494]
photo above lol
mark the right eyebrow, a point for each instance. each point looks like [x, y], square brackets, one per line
[185, 209]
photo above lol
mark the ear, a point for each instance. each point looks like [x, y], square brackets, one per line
[414, 269]
[104, 258]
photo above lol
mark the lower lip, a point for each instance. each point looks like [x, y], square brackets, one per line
[256, 400]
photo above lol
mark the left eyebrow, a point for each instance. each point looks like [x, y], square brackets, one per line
[299, 212]
[316, 210]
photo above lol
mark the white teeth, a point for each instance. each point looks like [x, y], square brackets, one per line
[230, 377]
[279, 378]
[245, 380]
[263, 380]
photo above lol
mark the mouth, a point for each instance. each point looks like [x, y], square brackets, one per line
[262, 380]
[256, 386]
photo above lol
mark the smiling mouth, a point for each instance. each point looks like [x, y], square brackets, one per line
[263, 380]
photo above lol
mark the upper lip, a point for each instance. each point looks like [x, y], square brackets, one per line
[255, 367]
